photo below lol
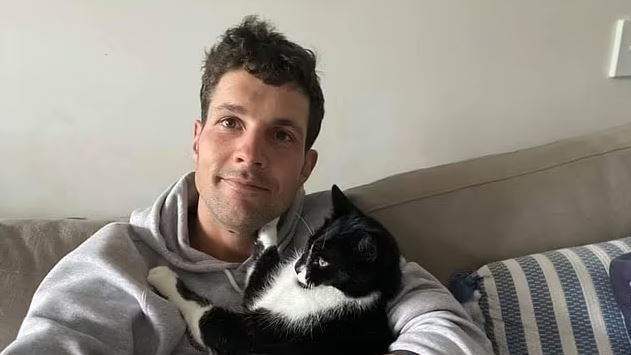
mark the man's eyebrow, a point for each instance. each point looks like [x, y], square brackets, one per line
[238, 109]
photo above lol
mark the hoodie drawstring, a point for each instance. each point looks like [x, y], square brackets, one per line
[233, 282]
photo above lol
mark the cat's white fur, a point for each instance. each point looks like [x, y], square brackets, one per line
[165, 280]
[268, 234]
[302, 276]
[286, 298]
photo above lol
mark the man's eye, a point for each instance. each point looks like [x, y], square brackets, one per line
[229, 122]
[283, 136]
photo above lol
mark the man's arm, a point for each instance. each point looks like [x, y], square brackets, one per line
[88, 303]
[427, 319]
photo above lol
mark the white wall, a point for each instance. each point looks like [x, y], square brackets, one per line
[98, 98]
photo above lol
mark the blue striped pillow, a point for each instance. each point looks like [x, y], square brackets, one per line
[557, 302]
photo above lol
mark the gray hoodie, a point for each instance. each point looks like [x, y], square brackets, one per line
[96, 299]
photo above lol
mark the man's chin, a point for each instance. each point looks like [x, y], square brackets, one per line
[244, 220]
[242, 214]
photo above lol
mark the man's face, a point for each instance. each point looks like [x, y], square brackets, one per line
[250, 153]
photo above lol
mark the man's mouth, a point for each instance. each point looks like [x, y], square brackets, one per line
[245, 185]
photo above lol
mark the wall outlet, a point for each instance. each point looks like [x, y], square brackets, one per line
[621, 56]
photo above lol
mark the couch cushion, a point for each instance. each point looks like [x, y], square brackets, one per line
[28, 250]
[620, 271]
[464, 215]
[557, 302]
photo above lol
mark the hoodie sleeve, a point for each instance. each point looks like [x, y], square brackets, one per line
[88, 303]
[427, 319]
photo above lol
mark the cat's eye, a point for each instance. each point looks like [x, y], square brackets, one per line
[322, 262]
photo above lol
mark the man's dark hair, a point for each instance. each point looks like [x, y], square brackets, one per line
[258, 48]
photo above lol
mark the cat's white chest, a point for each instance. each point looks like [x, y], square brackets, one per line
[286, 298]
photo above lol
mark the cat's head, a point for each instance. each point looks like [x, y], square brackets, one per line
[351, 252]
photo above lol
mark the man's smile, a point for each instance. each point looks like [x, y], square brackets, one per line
[244, 185]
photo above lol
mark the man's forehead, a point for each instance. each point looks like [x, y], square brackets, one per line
[239, 84]
[240, 78]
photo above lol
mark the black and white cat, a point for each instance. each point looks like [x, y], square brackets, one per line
[330, 299]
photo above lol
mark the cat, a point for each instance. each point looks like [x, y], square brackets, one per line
[329, 299]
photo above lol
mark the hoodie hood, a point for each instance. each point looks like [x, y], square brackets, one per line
[164, 227]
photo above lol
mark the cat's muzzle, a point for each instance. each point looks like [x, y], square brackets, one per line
[303, 285]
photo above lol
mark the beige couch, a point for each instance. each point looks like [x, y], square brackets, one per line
[447, 218]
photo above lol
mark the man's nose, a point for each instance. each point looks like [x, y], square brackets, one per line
[252, 150]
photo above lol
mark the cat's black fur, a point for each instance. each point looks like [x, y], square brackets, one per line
[362, 257]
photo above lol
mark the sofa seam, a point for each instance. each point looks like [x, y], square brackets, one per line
[568, 162]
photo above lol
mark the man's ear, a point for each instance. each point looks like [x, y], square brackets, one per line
[197, 132]
[311, 158]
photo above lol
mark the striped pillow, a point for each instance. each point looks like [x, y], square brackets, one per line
[558, 302]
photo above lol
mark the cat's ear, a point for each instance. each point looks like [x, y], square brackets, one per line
[367, 248]
[341, 204]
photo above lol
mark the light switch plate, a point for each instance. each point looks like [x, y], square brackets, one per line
[621, 56]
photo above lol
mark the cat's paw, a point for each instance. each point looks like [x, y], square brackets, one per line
[163, 279]
[268, 235]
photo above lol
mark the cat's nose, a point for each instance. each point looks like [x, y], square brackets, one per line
[298, 268]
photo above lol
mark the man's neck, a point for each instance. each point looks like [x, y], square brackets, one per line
[206, 235]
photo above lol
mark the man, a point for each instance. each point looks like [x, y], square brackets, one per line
[261, 111]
